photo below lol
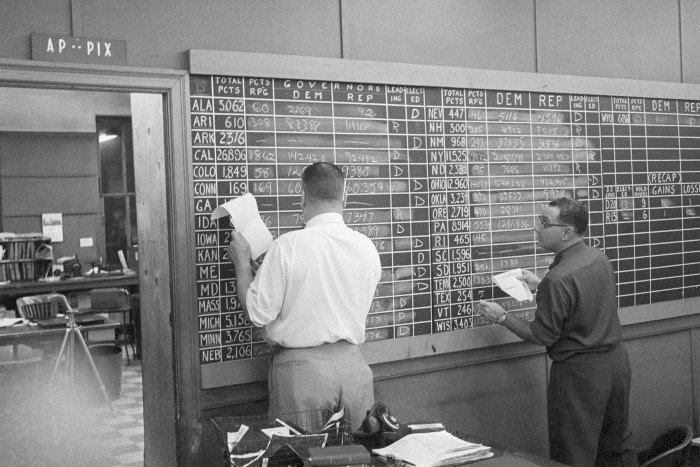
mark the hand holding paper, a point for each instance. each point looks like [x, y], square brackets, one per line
[514, 287]
[246, 220]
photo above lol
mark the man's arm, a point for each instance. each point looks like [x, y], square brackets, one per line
[239, 254]
[521, 328]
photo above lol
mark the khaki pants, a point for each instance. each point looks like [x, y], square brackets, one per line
[330, 376]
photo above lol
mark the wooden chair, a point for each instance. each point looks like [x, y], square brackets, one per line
[116, 301]
[42, 306]
[671, 448]
[35, 307]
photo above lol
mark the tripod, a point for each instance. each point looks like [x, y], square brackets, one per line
[68, 346]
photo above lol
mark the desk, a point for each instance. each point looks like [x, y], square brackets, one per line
[501, 456]
[33, 335]
[10, 292]
[517, 459]
[36, 336]
[499, 459]
[78, 283]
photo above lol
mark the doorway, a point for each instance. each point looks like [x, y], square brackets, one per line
[157, 111]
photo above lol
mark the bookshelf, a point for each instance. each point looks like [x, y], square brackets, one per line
[24, 257]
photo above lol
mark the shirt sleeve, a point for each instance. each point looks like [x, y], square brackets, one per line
[266, 294]
[553, 305]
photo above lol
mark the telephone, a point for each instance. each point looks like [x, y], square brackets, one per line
[379, 419]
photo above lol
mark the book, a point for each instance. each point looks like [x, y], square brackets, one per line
[339, 455]
[245, 218]
[425, 427]
[433, 449]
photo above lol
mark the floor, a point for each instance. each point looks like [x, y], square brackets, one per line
[125, 431]
[70, 424]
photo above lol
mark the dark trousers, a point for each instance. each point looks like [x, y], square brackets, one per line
[330, 376]
[588, 410]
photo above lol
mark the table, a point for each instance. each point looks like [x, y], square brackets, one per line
[34, 335]
[500, 459]
[76, 283]
[517, 459]
[13, 290]
[502, 456]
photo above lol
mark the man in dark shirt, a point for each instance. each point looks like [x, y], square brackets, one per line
[576, 320]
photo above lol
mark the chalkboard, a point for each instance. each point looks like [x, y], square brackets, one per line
[447, 181]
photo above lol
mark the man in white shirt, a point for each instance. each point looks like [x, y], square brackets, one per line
[312, 294]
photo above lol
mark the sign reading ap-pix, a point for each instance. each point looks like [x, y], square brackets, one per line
[74, 49]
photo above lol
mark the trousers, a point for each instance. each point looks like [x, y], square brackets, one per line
[330, 376]
[588, 409]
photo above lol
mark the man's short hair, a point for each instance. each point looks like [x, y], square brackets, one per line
[323, 181]
[572, 212]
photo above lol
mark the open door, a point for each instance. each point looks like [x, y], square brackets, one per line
[158, 113]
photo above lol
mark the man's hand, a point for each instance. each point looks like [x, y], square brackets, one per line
[491, 311]
[530, 278]
[238, 250]
[255, 263]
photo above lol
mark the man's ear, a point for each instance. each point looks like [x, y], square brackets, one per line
[303, 198]
[568, 234]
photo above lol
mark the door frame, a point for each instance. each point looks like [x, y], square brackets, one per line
[162, 197]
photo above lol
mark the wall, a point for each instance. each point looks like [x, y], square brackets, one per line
[648, 40]
[49, 163]
[595, 38]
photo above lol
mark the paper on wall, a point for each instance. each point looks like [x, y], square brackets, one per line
[246, 220]
[52, 226]
[514, 287]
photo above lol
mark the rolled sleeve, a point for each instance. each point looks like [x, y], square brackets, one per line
[266, 293]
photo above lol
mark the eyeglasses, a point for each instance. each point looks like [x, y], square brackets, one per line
[546, 224]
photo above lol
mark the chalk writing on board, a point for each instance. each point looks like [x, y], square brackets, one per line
[448, 184]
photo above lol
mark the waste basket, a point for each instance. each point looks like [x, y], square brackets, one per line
[108, 360]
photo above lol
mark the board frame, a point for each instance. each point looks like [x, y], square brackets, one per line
[224, 63]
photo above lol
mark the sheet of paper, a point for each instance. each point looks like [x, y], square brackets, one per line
[514, 287]
[335, 418]
[122, 259]
[289, 428]
[246, 220]
[233, 438]
[52, 226]
[7, 322]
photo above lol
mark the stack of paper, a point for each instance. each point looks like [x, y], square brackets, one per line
[514, 287]
[246, 220]
[434, 449]
[7, 322]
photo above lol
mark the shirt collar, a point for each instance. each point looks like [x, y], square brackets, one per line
[576, 246]
[326, 218]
